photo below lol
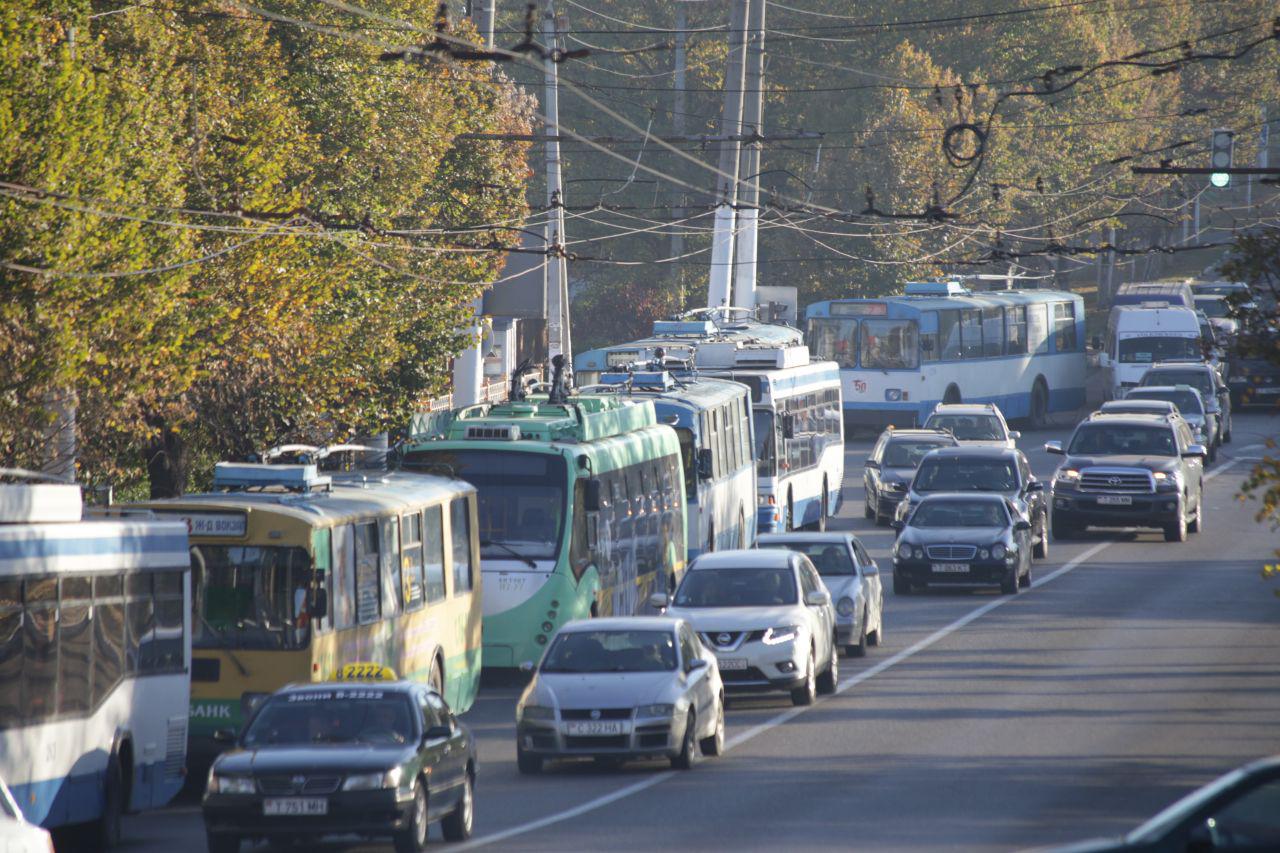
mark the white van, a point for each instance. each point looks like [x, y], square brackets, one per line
[1138, 336]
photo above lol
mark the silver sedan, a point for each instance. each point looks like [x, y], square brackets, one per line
[625, 687]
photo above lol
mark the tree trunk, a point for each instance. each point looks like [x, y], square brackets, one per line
[166, 462]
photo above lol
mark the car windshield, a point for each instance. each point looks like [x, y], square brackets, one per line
[1253, 366]
[1147, 350]
[341, 715]
[520, 498]
[1197, 379]
[828, 558]
[1119, 439]
[1188, 402]
[968, 427]
[250, 597]
[931, 514]
[612, 651]
[951, 474]
[737, 588]
[1213, 307]
[906, 453]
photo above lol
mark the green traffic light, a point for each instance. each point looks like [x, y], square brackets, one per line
[1219, 179]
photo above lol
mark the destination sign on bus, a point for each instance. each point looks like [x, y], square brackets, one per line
[621, 358]
[229, 524]
[859, 309]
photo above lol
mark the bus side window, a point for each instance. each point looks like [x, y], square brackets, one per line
[367, 582]
[108, 636]
[140, 620]
[1016, 330]
[579, 544]
[1037, 328]
[949, 335]
[342, 590]
[460, 537]
[322, 579]
[411, 560]
[389, 564]
[1064, 327]
[433, 552]
[75, 637]
[10, 653]
[744, 413]
[168, 654]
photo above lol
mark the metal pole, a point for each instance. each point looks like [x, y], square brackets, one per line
[555, 196]
[720, 290]
[753, 121]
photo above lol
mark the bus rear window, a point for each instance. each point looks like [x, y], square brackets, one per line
[250, 597]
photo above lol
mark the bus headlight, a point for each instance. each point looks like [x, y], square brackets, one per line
[373, 781]
[230, 784]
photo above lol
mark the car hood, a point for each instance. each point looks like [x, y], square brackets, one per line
[600, 689]
[340, 758]
[957, 535]
[1151, 463]
[714, 619]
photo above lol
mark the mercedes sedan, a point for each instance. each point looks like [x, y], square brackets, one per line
[963, 540]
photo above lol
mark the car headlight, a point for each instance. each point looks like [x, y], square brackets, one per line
[1165, 482]
[655, 710]
[1067, 476]
[781, 634]
[374, 781]
[845, 606]
[997, 551]
[537, 712]
[219, 784]
[904, 550]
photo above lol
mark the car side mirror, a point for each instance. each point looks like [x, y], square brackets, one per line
[1053, 447]
[591, 495]
[870, 570]
[695, 664]
[705, 465]
[443, 732]
[319, 604]
[526, 667]
[897, 524]
[1022, 524]
[659, 601]
[1013, 433]
[871, 463]
[1195, 450]
[1035, 486]
[817, 598]
[224, 736]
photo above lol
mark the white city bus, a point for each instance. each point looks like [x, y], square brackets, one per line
[95, 658]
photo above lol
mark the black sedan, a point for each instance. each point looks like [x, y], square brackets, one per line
[1254, 382]
[963, 540]
[376, 759]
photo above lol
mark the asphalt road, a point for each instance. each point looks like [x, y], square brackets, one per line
[1133, 671]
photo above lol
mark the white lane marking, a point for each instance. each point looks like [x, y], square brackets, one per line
[791, 713]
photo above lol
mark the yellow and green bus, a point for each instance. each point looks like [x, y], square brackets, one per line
[295, 573]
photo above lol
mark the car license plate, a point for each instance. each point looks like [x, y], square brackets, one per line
[295, 806]
[733, 663]
[1114, 500]
[951, 567]
[596, 727]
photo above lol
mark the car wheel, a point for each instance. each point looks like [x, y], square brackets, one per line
[1213, 452]
[1025, 580]
[222, 843]
[1063, 529]
[528, 763]
[714, 744]
[830, 680]
[1009, 586]
[457, 824]
[413, 838]
[876, 637]
[859, 649]
[867, 511]
[901, 586]
[807, 692]
[1197, 521]
[1226, 436]
[1176, 532]
[688, 755]
[1042, 546]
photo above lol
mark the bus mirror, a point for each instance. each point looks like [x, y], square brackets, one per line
[591, 496]
[593, 532]
[705, 464]
[788, 426]
[319, 603]
[224, 736]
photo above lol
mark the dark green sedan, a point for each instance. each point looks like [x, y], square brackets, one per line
[377, 759]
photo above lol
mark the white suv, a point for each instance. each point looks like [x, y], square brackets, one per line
[973, 423]
[768, 618]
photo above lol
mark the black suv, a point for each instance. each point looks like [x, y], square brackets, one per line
[1000, 470]
[891, 465]
[1129, 471]
[1204, 378]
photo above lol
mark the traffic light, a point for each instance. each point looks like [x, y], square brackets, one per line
[1220, 157]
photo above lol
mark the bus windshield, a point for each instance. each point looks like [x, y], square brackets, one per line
[520, 502]
[1147, 350]
[833, 340]
[250, 597]
[766, 458]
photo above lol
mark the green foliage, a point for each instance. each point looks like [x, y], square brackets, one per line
[300, 317]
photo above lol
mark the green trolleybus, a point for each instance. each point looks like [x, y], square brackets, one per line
[581, 509]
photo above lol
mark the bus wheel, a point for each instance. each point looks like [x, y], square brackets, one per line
[436, 677]
[711, 539]
[952, 395]
[790, 523]
[106, 830]
[1039, 404]
[742, 530]
[822, 510]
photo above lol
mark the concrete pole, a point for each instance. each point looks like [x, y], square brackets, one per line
[720, 290]
[468, 365]
[482, 13]
[556, 276]
[679, 108]
[752, 120]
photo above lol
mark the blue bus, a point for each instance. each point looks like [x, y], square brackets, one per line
[712, 418]
[899, 356]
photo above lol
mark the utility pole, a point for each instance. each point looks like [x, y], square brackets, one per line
[482, 12]
[679, 108]
[557, 275]
[720, 290]
[753, 122]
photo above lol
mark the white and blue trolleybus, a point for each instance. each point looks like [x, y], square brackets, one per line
[899, 356]
[95, 653]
